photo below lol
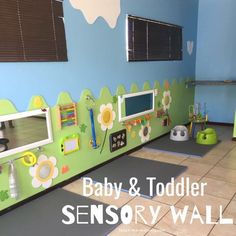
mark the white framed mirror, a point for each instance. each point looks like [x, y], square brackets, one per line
[23, 131]
[134, 105]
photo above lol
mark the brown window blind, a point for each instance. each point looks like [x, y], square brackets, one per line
[150, 40]
[32, 30]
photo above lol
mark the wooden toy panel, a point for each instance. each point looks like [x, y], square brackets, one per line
[118, 140]
[67, 115]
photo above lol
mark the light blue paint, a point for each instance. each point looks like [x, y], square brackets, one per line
[97, 56]
[216, 57]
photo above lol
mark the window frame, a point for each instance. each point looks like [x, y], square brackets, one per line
[129, 41]
[35, 33]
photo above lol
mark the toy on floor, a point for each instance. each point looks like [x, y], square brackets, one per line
[207, 137]
[196, 116]
[179, 133]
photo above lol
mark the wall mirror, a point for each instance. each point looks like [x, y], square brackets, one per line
[136, 104]
[24, 131]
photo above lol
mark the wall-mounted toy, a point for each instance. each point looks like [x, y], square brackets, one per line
[164, 106]
[67, 115]
[94, 138]
[197, 115]
[166, 121]
[164, 115]
[90, 104]
[160, 113]
[139, 121]
[118, 140]
[13, 181]
[70, 144]
[28, 159]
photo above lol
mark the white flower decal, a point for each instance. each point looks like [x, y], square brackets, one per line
[44, 171]
[144, 132]
[106, 116]
[166, 100]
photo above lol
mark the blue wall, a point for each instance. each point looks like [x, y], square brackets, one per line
[216, 57]
[97, 56]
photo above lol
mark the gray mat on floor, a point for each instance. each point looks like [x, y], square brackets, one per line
[186, 148]
[126, 167]
[43, 216]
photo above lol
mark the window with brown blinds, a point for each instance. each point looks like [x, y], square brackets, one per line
[150, 40]
[32, 30]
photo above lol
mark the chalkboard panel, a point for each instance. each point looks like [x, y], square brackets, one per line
[138, 104]
[118, 140]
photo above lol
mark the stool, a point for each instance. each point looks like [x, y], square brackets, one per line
[179, 133]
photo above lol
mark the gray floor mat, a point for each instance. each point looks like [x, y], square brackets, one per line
[122, 169]
[188, 148]
[43, 217]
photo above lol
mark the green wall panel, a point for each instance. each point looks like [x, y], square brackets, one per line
[87, 157]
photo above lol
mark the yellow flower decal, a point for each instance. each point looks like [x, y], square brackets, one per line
[166, 100]
[106, 116]
[44, 171]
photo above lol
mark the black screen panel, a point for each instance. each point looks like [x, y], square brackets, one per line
[138, 104]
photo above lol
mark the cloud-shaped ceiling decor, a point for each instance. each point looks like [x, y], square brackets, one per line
[92, 9]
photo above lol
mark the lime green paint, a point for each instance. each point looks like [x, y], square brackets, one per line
[134, 88]
[33, 103]
[87, 157]
[120, 90]
[146, 86]
[7, 107]
[64, 98]
[157, 85]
